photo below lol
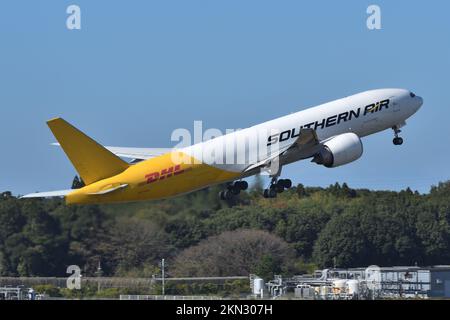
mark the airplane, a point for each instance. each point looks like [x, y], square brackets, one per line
[329, 134]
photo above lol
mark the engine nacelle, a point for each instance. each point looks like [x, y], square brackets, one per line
[340, 150]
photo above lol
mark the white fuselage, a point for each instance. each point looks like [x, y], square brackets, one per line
[363, 114]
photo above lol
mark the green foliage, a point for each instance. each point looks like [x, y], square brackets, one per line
[229, 288]
[109, 293]
[267, 267]
[87, 291]
[302, 267]
[48, 289]
[313, 227]
[77, 183]
[231, 253]
[84, 292]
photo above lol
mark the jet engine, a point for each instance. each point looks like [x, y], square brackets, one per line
[339, 150]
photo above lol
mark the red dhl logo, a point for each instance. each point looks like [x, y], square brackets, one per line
[165, 173]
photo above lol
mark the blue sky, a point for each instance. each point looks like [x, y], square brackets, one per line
[139, 69]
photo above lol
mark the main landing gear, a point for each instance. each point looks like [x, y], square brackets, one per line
[233, 189]
[397, 140]
[277, 186]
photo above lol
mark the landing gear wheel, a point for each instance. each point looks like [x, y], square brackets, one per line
[279, 188]
[397, 141]
[286, 183]
[226, 195]
[242, 185]
[270, 193]
[235, 191]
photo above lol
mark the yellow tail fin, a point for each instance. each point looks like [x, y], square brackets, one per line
[92, 161]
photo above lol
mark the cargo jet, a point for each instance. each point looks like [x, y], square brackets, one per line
[329, 134]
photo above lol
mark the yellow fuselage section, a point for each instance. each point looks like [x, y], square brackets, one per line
[155, 178]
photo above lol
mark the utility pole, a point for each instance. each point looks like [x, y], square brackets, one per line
[99, 274]
[162, 271]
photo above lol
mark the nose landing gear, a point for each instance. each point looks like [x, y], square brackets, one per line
[397, 140]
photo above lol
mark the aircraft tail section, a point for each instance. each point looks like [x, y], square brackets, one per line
[92, 161]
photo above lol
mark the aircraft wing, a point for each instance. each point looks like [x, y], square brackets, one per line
[49, 194]
[307, 139]
[135, 153]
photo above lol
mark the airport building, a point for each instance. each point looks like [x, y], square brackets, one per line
[399, 282]
[362, 283]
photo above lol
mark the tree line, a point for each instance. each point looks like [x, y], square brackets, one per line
[198, 235]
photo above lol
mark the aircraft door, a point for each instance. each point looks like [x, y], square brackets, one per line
[395, 105]
[370, 122]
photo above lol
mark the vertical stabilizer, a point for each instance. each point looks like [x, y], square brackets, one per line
[91, 160]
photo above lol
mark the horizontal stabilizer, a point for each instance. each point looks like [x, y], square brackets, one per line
[48, 194]
[135, 153]
[138, 153]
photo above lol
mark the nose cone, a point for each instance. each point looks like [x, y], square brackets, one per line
[418, 101]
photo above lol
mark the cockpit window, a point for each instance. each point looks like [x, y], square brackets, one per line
[412, 94]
